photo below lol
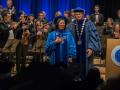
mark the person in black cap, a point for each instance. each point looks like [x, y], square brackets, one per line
[87, 42]
[31, 22]
[60, 45]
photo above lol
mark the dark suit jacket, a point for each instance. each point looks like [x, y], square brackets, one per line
[117, 19]
[4, 32]
[100, 17]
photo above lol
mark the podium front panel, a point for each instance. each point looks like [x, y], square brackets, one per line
[113, 57]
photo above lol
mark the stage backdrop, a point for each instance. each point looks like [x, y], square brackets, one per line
[50, 6]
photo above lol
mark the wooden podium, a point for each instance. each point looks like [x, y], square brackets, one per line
[113, 45]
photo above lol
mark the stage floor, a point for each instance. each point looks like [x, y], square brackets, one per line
[97, 62]
[100, 64]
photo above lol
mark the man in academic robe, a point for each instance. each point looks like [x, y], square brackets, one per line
[87, 42]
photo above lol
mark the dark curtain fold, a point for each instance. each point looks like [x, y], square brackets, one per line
[111, 7]
[108, 7]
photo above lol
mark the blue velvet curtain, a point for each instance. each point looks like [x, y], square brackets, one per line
[50, 6]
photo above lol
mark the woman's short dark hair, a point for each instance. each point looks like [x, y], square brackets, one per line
[58, 19]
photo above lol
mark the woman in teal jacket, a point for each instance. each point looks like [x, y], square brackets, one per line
[60, 46]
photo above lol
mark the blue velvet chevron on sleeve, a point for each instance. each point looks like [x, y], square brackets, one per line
[93, 37]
